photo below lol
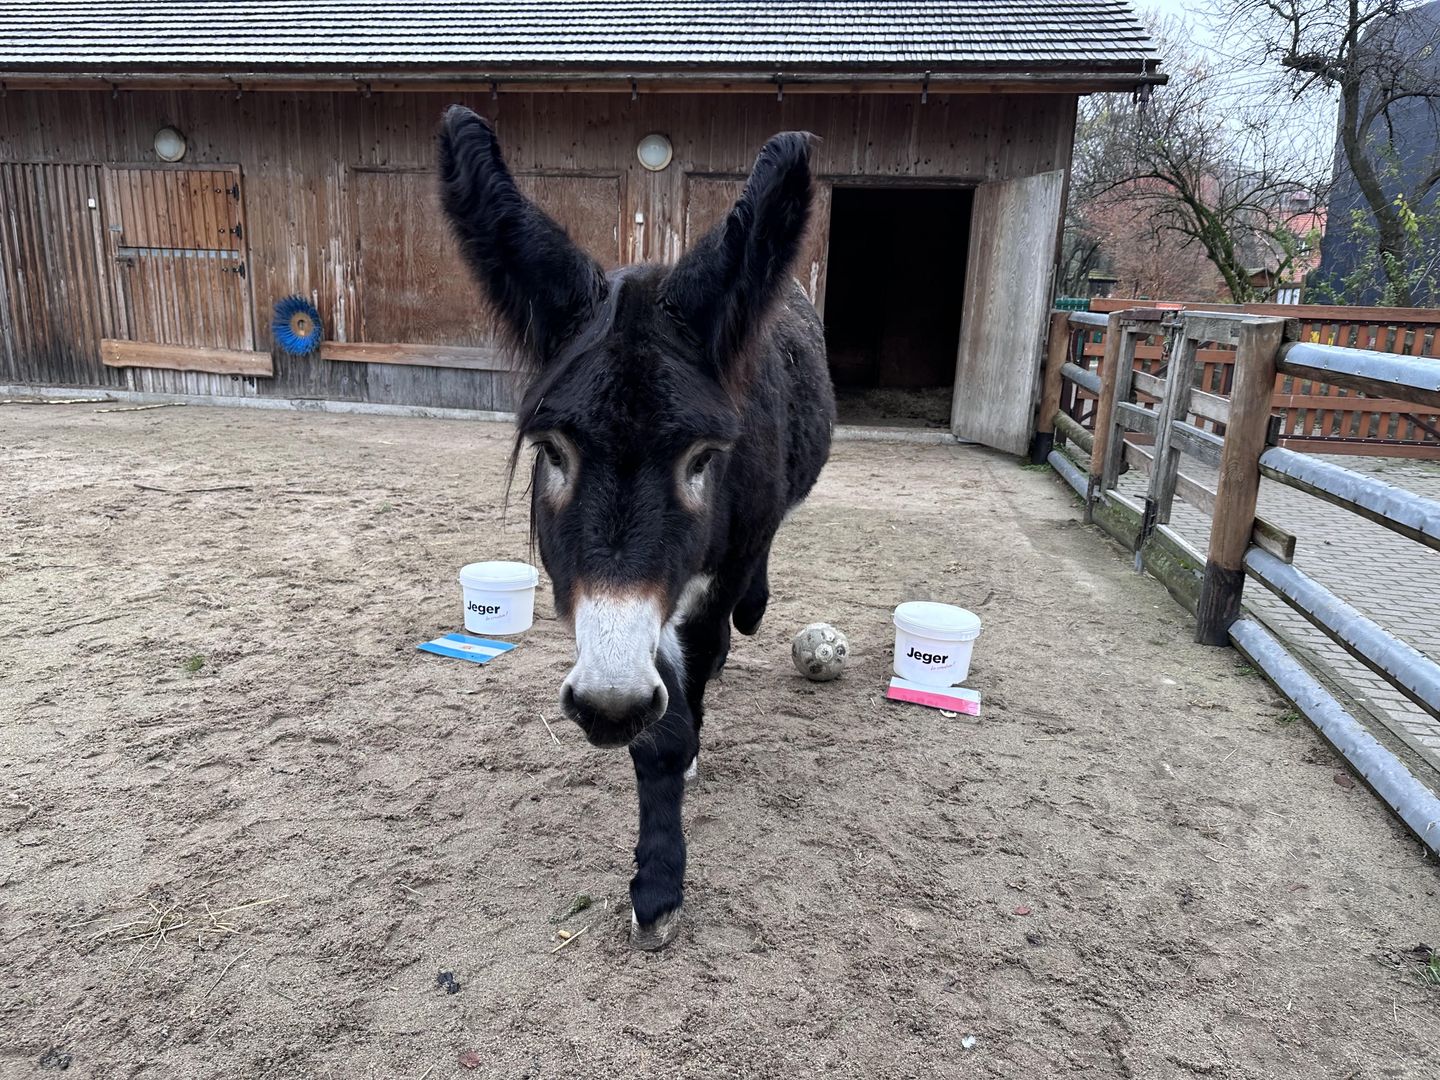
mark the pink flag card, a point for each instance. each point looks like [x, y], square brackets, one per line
[950, 698]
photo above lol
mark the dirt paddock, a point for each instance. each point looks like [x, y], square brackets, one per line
[244, 824]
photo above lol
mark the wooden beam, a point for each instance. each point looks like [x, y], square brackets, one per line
[1267, 535]
[1223, 328]
[1364, 448]
[1310, 313]
[1350, 403]
[1271, 538]
[1201, 445]
[671, 80]
[1057, 348]
[440, 356]
[148, 354]
[1134, 417]
[1189, 549]
[1174, 405]
[1104, 409]
[1167, 557]
[1149, 384]
[1123, 413]
[1212, 406]
[1146, 314]
[1073, 432]
[1235, 498]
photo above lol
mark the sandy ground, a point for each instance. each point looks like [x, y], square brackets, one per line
[1135, 863]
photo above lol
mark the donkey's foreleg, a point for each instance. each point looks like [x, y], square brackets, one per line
[753, 601]
[705, 642]
[661, 753]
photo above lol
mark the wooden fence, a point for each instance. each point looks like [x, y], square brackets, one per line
[1134, 407]
[1314, 416]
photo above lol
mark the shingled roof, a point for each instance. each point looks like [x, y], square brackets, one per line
[770, 37]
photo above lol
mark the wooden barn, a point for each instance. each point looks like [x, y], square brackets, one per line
[169, 172]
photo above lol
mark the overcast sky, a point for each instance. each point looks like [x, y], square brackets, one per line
[1311, 121]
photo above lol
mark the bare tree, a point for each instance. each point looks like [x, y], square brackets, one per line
[1380, 56]
[1196, 169]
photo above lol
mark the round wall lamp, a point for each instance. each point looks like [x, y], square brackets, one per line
[169, 144]
[654, 152]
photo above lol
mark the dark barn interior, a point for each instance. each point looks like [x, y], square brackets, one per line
[895, 294]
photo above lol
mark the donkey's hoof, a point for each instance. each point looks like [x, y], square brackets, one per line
[692, 771]
[658, 934]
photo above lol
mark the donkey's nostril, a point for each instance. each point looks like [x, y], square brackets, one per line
[616, 704]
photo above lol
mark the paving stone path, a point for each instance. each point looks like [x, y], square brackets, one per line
[1393, 580]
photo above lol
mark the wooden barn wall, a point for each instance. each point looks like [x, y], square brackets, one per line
[313, 166]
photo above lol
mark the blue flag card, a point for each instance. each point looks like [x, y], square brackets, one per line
[464, 647]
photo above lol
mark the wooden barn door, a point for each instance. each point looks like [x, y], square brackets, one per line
[178, 238]
[1014, 228]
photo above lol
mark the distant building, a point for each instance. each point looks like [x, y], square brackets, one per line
[1281, 281]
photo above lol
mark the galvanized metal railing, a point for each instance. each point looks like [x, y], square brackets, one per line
[1241, 544]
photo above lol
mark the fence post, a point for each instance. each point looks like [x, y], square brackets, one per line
[1104, 410]
[1180, 349]
[1057, 351]
[1239, 486]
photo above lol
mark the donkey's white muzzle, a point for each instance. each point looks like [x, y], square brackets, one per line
[614, 689]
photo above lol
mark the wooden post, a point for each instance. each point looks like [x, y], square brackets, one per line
[1113, 456]
[1104, 409]
[1239, 485]
[1057, 351]
[1179, 387]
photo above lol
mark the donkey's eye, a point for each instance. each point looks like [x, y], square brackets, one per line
[699, 463]
[552, 453]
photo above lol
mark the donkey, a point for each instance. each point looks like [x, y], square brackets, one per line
[676, 414]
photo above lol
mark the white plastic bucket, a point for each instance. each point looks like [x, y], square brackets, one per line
[933, 642]
[499, 597]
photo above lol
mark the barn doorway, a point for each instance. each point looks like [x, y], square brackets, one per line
[894, 293]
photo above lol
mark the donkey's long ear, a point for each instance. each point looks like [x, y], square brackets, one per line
[541, 284]
[725, 284]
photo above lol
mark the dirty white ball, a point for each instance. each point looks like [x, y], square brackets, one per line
[819, 652]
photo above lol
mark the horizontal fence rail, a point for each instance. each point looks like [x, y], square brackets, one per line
[1411, 671]
[1153, 414]
[1385, 504]
[1413, 802]
[1369, 372]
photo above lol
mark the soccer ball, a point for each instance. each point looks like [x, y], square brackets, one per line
[819, 652]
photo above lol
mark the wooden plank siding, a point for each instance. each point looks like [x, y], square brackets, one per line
[55, 300]
[307, 161]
